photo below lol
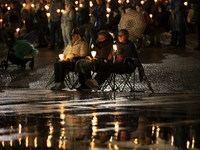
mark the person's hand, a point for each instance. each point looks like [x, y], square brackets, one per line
[173, 17]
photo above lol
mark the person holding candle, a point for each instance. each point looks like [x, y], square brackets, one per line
[102, 49]
[67, 23]
[76, 48]
[124, 49]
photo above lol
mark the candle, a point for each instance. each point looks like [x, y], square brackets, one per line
[92, 46]
[46, 7]
[58, 10]
[6, 5]
[17, 30]
[107, 15]
[114, 52]
[108, 10]
[61, 56]
[151, 16]
[119, 1]
[142, 2]
[81, 5]
[1, 20]
[127, 1]
[32, 5]
[155, 1]
[62, 10]
[24, 4]
[91, 4]
[76, 8]
[185, 3]
[108, 1]
[8, 8]
[93, 53]
[76, 2]
[48, 15]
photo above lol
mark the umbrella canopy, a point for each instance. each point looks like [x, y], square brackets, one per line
[31, 36]
[134, 22]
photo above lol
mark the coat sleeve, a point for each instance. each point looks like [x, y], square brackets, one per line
[84, 49]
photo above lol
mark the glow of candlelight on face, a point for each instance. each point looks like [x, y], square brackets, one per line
[8, 8]
[32, 5]
[17, 30]
[151, 16]
[58, 10]
[24, 4]
[142, 2]
[46, 7]
[76, 2]
[186, 3]
[61, 56]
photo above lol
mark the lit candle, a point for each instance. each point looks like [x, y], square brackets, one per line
[108, 10]
[58, 10]
[108, 1]
[142, 2]
[48, 15]
[81, 5]
[76, 2]
[127, 1]
[92, 46]
[8, 8]
[151, 16]
[24, 4]
[1, 20]
[185, 3]
[155, 1]
[114, 51]
[32, 5]
[17, 30]
[119, 1]
[62, 10]
[46, 7]
[76, 8]
[6, 5]
[61, 56]
[93, 53]
[107, 15]
[91, 4]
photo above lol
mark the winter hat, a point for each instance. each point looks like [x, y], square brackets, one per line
[76, 31]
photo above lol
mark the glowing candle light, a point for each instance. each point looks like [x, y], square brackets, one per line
[142, 2]
[119, 1]
[93, 53]
[58, 10]
[17, 30]
[48, 15]
[91, 4]
[1, 20]
[24, 4]
[46, 7]
[127, 1]
[114, 51]
[107, 15]
[61, 56]
[186, 3]
[108, 10]
[8, 8]
[32, 5]
[6, 5]
[76, 8]
[151, 16]
[76, 2]
[81, 5]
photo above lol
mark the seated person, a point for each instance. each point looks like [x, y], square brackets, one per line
[78, 47]
[125, 49]
[102, 47]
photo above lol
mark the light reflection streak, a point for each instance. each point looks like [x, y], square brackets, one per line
[11, 143]
[116, 129]
[20, 128]
[116, 147]
[20, 141]
[26, 141]
[3, 143]
[188, 144]
[157, 131]
[172, 140]
[49, 141]
[35, 142]
[193, 141]
[135, 141]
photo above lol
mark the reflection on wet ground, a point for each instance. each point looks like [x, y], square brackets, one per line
[42, 119]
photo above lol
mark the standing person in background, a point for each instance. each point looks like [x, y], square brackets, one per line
[55, 23]
[27, 12]
[67, 23]
[100, 9]
[83, 14]
[196, 20]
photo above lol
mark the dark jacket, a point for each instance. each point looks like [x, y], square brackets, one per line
[100, 9]
[83, 14]
[196, 8]
[40, 19]
[103, 48]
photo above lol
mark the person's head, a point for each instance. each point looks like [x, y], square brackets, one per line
[76, 34]
[67, 4]
[139, 7]
[12, 5]
[123, 35]
[102, 35]
[41, 5]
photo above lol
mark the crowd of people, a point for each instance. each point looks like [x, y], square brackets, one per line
[60, 21]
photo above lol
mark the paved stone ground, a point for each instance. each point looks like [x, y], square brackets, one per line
[168, 70]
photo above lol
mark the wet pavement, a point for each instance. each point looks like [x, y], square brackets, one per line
[32, 117]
